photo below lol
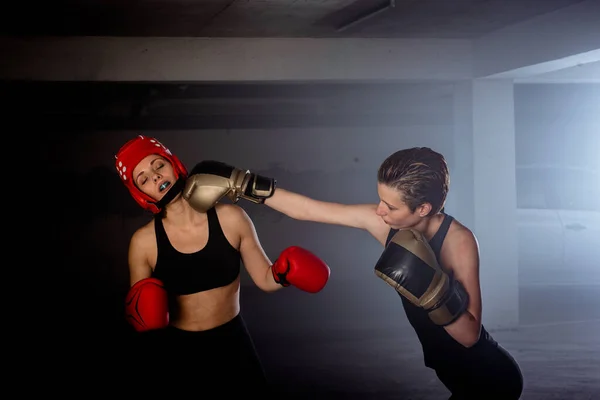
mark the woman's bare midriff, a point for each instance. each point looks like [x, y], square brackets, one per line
[206, 310]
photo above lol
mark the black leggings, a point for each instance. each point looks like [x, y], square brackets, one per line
[492, 374]
[223, 358]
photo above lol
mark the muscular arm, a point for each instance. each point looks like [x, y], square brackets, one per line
[462, 257]
[146, 303]
[254, 257]
[304, 208]
[139, 265]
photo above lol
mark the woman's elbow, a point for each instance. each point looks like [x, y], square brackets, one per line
[471, 336]
[469, 340]
[267, 284]
[268, 288]
[466, 330]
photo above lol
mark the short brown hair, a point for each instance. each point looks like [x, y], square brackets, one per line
[420, 173]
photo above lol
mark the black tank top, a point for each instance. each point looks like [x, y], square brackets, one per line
[439, 348]
[216, 265]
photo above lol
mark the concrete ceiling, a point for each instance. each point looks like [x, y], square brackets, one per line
[463, 19]
[584, 73]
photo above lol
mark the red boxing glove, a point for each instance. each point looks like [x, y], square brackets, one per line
[302, 269]
[147, 306]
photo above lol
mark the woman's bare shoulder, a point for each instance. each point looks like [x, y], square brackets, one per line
[144, 234]
[230, 212]
[460, 243]
[460, 232]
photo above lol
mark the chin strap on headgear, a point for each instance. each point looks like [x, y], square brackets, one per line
[134, 151]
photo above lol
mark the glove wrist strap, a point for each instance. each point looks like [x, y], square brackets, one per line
[280, 277]
[452, 306]
[259, 188]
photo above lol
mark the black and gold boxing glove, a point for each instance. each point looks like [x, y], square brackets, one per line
[234, 182]
[409, 265]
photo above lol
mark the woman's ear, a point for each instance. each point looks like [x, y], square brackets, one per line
[424, 209]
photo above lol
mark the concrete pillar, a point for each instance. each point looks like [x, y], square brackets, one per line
[483, 190]
[461, 198]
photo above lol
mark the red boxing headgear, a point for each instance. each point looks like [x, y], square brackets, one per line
[134, 151]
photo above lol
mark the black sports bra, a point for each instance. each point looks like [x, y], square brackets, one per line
[216, 265]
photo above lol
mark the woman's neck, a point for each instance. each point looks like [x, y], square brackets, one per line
[179, 212]
[428, 226]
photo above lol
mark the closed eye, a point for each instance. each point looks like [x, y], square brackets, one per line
[144, 178]
[389, 206]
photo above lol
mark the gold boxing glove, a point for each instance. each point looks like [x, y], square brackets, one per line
[409, 265]
[247, 185]
[210, 181]
[204, 191]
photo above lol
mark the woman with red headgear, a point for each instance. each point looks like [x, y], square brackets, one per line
[185, 272]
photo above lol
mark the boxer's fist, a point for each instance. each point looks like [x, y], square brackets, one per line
[147, 305]
[239, 183]
[204, 191]
[408, 264]
[302, 269]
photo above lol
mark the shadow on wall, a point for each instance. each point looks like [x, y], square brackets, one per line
[96, 217]
[99, 192]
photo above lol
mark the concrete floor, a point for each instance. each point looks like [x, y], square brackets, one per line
[557, 345]
[312, 349]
